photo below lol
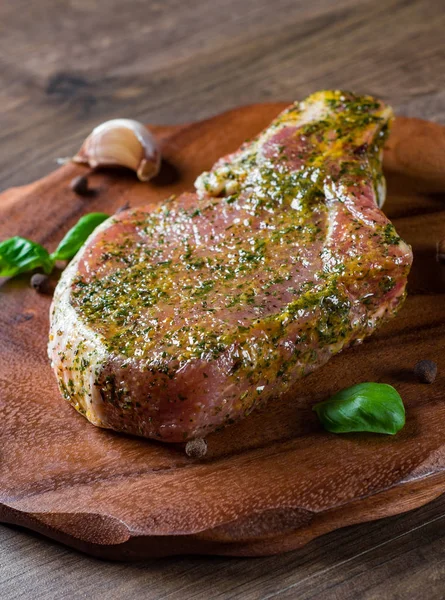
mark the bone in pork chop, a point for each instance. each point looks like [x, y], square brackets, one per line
[178, 318]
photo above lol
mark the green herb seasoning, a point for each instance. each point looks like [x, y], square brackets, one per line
[252, 266]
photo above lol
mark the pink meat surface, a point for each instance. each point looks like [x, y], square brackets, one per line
[177, 319]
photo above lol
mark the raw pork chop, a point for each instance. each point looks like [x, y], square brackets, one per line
[178, 318]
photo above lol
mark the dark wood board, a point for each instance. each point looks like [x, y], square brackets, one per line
[268, 484]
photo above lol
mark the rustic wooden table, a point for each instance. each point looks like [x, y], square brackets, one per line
[67, 65]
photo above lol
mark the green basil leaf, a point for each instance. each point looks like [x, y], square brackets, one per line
[18, 255]
[77, 236]
[374, 407]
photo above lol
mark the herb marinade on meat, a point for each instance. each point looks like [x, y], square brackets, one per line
[255, 272]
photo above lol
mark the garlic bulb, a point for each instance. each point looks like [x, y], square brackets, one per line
[124, 143]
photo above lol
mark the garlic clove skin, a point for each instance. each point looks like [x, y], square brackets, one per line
[123, 143]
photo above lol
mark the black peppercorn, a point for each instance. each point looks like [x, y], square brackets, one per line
[425, 371]
[41, 283]
[196, 448]
[79, 185]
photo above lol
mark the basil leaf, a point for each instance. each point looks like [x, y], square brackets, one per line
[374, 407]
[77, 235]
[17, 255]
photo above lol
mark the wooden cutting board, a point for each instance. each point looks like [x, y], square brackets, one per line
[270, 483]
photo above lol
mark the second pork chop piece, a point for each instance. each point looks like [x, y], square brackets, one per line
[179, 318]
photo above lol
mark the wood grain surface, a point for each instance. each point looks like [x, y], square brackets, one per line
[66, 66]
[270, 483]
